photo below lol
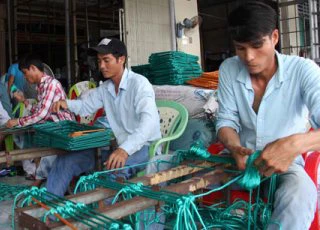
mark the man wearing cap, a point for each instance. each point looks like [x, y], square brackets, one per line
[129, 101]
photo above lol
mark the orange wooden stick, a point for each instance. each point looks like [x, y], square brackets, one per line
[55, 214]
[81, 133]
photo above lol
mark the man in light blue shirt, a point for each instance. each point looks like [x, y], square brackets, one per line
[264, 101]
[129, 102]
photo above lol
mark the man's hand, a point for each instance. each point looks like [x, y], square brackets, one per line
[117, 159]
[12, 122]
[19, 96]
[240, 154]
[56, 106]
[277, 156]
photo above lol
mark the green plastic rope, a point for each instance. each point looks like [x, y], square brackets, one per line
[67, 209]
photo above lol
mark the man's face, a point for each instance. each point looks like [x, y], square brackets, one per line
[30, 74]
[258, 56]
[110, 66]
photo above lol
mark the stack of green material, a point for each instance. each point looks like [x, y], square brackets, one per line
[173, 67]
[56, 135]
[8, 192]
[144, 70]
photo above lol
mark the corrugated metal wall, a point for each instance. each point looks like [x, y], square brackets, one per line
[147, 25]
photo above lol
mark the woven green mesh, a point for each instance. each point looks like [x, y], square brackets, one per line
[56, 135]
[171, 67]
[144, 70]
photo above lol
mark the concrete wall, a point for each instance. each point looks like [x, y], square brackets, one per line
[190, 43]
[148, 28]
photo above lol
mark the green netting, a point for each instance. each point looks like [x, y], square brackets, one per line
[183, 211]
[8, 192]
[171, 67]
[56, 135]
[172, 54]
[143, 70]
[66, 209]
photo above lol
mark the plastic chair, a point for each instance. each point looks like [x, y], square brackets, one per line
[8, 143]
[17, 112]
[312, 161]
[173, 122]
[20, 109]
[48, 70]
[76, 91]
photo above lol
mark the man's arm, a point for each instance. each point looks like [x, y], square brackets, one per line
[279, 155]
[59, 105]
[87, 104]
[117, 159]
[42, 109]
[228, 119]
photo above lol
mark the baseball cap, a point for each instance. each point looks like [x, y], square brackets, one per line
[109, 46]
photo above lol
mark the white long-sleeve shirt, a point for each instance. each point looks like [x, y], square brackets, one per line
[4, 117]
[132, 113]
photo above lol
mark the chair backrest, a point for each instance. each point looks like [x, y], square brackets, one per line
[20, 109]
[173, 121]
[80, 87]
[75, 91]
[48, 70]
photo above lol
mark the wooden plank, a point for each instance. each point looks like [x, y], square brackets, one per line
[152, 179]
[128, 207]
[24, 154]
[178, 172]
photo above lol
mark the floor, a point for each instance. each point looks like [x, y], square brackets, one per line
[6, 206]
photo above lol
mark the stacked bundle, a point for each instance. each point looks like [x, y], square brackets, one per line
[208, 80]
[170, 68]
[144, 70]
[8, 191]
[173, 67]
[69, 135]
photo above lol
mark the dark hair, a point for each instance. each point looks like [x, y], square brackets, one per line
[251, 21]
[31, 59]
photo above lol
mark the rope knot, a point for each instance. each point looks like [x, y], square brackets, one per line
[114, 226]
[199, 151]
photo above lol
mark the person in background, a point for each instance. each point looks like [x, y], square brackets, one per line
[15, 77]
[129, 102]
[49, 91]
[264, 100]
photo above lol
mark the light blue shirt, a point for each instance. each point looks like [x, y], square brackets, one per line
[292, 95]
[132, 113]
[19, 79]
